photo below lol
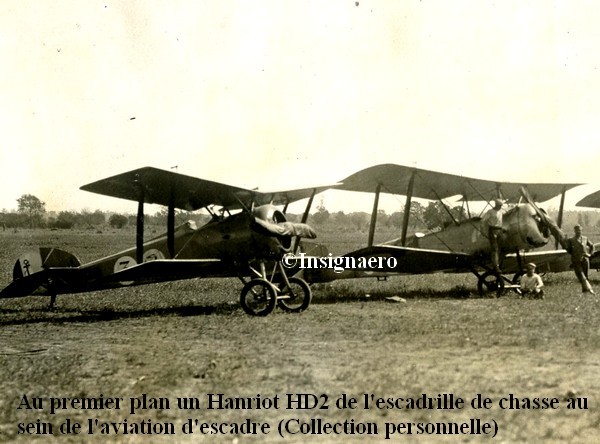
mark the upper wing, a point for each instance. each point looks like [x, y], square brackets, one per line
[396, 179]
[162, 187]
[166, 187]
[288, 196]
[591, 200]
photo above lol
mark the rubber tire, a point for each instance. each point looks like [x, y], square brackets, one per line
[250, 297]
[301, 301]
[485, 285]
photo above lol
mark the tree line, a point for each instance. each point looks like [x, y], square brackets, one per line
[432, 216]
[31, 213]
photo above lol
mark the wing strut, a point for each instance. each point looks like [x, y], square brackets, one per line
[409, 193]
[296, 241]
[499, 191]
[374, 215]
[171, 229]
[561, 209]
[446, 208]
[139, 234]
[308, 205]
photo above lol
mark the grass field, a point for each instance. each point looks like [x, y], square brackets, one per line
[191, 338]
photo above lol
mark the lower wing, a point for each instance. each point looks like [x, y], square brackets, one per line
[64, 280]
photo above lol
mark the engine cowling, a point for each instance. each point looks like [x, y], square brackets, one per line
[524, 229]
[269, 213]
[268, 217]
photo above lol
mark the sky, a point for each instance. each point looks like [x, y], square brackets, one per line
[281, 94]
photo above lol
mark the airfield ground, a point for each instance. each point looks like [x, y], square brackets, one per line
[191, 338]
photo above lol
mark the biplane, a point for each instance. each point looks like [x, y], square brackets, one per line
[463, 246]
[592, 201]
[245, 238]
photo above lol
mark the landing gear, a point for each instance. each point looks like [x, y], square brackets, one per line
[259, 295]
[490, 282]
[494, 284]
[294, 296]
[516, 281]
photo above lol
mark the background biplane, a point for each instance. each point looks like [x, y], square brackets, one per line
[463, 246]
[246, 244]
[592, 201]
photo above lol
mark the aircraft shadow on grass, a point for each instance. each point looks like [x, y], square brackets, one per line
[74, 315]
[62, 316]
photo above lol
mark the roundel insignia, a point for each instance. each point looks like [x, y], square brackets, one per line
[124, 262]
[153, 254]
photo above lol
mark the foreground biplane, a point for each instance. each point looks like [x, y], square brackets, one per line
[463, 246]
[247, 244]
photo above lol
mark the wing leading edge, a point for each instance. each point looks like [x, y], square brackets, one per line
[590, 201]
[156, 186]
[432, 185]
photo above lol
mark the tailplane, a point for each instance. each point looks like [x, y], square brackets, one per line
[34, 261]
[32, 272]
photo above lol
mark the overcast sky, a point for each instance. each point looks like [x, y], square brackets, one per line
[280, 94]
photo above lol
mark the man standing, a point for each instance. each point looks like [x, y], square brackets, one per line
[580, 248]
[492, 223]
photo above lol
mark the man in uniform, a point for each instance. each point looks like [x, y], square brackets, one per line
[580, 248]
[492, 222]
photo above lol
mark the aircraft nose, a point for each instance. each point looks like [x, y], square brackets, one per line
[536, 242]
[537, 233]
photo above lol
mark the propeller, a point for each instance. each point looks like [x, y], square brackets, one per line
[547, 220]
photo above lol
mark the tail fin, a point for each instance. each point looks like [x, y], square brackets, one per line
[33, 274]
[34, 261]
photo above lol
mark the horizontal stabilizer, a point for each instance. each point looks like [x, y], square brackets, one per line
[47, 282]
[42, 271]
[34, 261]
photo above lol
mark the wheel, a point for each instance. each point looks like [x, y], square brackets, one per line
[516, 280]
[258, 297]
[490, 281]
[296, 297]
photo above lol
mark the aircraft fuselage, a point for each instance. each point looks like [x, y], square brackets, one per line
[522, 231]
